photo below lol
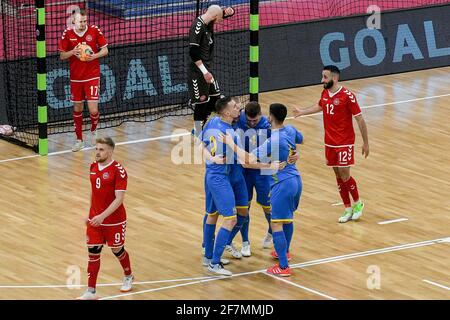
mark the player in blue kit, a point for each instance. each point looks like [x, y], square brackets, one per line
[286, 185]
[225, 188]
[254, 129]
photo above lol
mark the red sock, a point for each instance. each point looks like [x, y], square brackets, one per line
[93, 268]
[343, 191]
[78, 122]
[352, 188]
[124, 260]
[94, 120]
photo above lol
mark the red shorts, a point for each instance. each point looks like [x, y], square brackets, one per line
[88, 90]
[113, 236]
[340, 156]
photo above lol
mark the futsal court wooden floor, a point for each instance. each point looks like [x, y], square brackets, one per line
[407, 176]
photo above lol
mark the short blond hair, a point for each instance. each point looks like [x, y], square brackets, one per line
[106, 140]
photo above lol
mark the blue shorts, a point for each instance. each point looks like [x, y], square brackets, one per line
[254, 179]
[285, 197]
[224, 196]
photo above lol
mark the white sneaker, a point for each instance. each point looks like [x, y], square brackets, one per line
[207, 261]
[245, 251]
[233, 251]
[267, 241]
[346, 216]
[357, 210]
[127, 283]
[219, 269]
[203, 251]
[88, 295]
[79, 144]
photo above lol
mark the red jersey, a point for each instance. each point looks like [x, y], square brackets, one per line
[81, 71]
[338, 109]
[104, 184]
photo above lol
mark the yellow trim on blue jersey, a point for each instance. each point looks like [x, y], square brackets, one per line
[230, 217]
[241, 207]
[264, 207]
[212, 214]
[282, 220]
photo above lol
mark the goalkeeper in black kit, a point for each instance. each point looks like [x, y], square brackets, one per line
[204, 89]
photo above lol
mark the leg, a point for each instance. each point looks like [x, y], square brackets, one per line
[242, 215]
[352, 187]
[78, 125]
[199, 97]
[124, 259]
[341, 176]
[92, 270]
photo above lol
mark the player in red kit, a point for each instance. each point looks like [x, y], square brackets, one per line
[84, 75]
[339, 106]
[107, 216]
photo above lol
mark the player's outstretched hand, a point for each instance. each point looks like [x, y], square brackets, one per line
[297, 112]
[97, 220]
[293, 158]
[227, 139]
[277, 165]
[77, 51]
[365, 150]
[91, 57]
[220, 159]
[209, 77]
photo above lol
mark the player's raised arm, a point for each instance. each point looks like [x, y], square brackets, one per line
[303, 112]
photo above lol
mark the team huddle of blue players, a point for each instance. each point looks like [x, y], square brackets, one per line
[245, 151]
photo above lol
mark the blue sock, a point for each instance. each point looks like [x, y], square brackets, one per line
[204, 222]
[208, 235]
[288, 229]
[244, 229]
[268, 218]
[279, 242]
[237, 227]
[221, 241]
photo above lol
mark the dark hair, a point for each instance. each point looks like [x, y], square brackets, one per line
[252, 109]
[106, 140]
[83, 12]
[332, 69]
[222, 103]
[278, 111]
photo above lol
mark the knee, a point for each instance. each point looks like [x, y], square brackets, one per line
[96, 250]
[118, 251]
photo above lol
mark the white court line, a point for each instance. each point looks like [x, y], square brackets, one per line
[302, 287]
[392, 221]
[298, 265]
[337, 204]
[184, 134]
[436, 284]
[98, 285]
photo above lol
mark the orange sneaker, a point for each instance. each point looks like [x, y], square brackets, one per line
[275, 255]
[277, 271]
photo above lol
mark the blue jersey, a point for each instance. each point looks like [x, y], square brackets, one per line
[210, 137]
[251, 138]
[281, 144]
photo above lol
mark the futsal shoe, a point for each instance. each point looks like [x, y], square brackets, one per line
[357, 210]
[207, 261]
[276, 270]
[346, 216]
[245, 250]
[267, 241]
[88, 295]
[233, 251]
[274, 255]
[219, 269]
[127, 283]
[79, 144]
